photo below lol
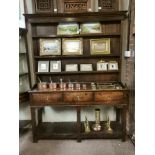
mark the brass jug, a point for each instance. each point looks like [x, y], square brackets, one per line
[97, 126]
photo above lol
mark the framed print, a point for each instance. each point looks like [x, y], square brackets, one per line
[67, 29]
[102, 66]
[55, 66]
[90, 28]
[100, 46]
[43, 66]
[71, 67]
[72, 46]
[86, 67]
[113, 65]
[50, 47]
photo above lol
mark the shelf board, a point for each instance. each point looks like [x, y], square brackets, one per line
[79, 35]
[78, 72]
[103, 133]
[49, 130]
[23, 74]
[76, 56]
[58, 130]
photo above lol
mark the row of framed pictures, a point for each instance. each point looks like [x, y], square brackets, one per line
[55, 66]
[74, 28]
[73, 46]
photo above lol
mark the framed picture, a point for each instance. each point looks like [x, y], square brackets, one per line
[91, 28]
[102, 66]
[100, 46]
[43, 66]
[72, 46]
[68, 29]
[71, 67]
[55, 66]
[113, 65]
[86, 67]
[50, 46]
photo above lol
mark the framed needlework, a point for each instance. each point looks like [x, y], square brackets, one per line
[86, 67]
[113, 65]
[100, 46]
[71, 67]
[55, 66]
[102, 66]
[50, 47]
[43, 66]
[72, 46]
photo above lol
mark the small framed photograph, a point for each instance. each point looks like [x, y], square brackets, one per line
[86, 67]
[90, 28]
[50, 47]
[72, 46]
[67, 29]
[100, 46]
[113, 65]
[55, 66]
[71, 67]
[43, 66]
[102, 66]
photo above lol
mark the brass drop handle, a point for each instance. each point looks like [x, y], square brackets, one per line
[47, 98]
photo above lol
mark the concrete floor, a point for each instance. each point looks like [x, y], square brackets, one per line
[71, 147]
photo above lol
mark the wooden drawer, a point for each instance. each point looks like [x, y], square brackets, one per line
[42, 98]
[109, 97]
[78, 97]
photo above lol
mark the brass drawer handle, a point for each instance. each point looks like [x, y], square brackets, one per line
[47, 98]
[108, 97]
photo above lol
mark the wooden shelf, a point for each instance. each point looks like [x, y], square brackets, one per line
[63, 130]
[47, 130]
[103, 133]
[79, 35]
[76, 56]
[78, 72]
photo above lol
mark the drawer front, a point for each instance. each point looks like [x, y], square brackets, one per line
[78, 97]
[109, 97]
[39, 98]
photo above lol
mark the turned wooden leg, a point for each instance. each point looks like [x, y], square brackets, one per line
[78, 124]
[33, 120]
[124, 123]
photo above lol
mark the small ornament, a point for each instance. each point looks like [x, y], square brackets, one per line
[108, 125]
[86, 125]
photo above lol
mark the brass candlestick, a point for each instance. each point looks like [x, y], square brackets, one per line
[86, 125]
[97, 126]
[108, 125]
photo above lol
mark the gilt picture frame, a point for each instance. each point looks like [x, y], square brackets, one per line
[72, 46]
[87, 28]
[67, 29]
[100, 46]
[50, 46]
